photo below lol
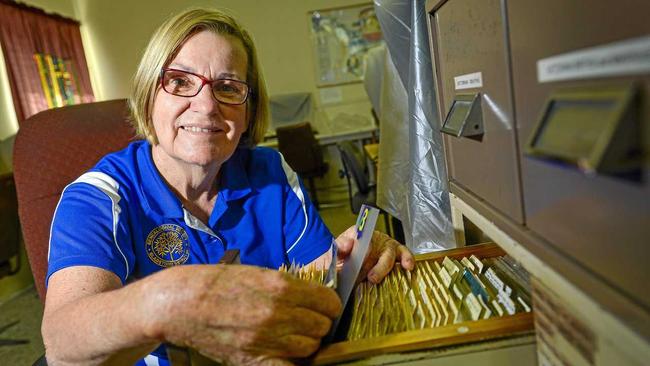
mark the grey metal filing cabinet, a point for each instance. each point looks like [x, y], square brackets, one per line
[472, 75]
[546, 110]
[582, 102]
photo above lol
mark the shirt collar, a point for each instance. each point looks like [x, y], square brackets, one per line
[233, 184]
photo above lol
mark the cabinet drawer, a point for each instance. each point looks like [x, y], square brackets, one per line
[598, 217]
[469, 50]
[431, 336]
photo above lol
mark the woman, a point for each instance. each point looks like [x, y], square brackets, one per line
[176, 201]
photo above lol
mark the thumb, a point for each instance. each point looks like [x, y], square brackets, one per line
[344, 246]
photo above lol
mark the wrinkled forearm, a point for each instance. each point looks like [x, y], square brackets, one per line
[221, 311]
[105, 328]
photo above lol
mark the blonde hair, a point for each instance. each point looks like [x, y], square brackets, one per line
[163, 47]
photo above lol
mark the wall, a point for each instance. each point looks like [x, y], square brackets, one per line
[61, 7]
[116, 32]
[8, 123]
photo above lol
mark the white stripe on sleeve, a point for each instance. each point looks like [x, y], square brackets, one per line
[292, 177]
[151, 360]
[110, 187]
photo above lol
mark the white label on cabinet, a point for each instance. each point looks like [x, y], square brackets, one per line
[469, 81]
[627, 57]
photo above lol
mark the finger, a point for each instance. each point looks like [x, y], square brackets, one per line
[274, 320]
[309, 323]
[345, 241]
[290, 345]
[405, 257]
[255, 303]
[384, 264]
[298, 321]
[284, 288]
[243, 358]
[344, 247]
[367, 265]
[312, 296]
[300, 346]
[275, 362]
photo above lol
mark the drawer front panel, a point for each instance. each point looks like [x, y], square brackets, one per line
[600, 220]
[471, 57]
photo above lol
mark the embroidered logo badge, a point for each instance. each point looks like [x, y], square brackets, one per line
[168, 245]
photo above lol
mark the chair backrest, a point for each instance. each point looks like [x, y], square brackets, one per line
[301, 150]
[353, 167]
[52, 149]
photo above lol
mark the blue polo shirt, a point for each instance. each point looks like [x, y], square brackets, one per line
[121, 216]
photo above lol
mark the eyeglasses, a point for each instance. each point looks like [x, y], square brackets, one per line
[187, 84]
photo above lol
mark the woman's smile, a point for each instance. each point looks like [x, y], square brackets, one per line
[202, 130]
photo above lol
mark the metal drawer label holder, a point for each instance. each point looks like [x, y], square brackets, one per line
[465, 118]
[595, 129]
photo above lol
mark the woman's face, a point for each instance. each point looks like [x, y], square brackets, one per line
[200, 130]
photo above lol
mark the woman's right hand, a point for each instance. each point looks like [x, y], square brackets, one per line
[239, 314]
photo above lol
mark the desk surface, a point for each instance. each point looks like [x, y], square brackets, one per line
[333, 138]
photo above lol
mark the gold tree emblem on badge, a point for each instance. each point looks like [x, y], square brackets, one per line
[168, 243]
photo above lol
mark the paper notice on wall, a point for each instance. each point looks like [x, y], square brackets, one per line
[469, 81]
[628, 57]
[331, 95]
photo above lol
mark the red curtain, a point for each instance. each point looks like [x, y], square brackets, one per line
[26, 31]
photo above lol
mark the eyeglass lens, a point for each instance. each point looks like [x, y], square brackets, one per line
[188, 85]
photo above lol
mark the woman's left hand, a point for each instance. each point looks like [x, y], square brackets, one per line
[383, 253]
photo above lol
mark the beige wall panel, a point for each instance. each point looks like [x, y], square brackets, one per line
[116, 32]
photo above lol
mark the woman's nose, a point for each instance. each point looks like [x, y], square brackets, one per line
[205, 101]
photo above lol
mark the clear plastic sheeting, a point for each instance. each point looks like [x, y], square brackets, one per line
[289, 109]
[374, 76]
[392, 192]
[395, 21]
[421, 202]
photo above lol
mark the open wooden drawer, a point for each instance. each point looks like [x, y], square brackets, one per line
[433, 336]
